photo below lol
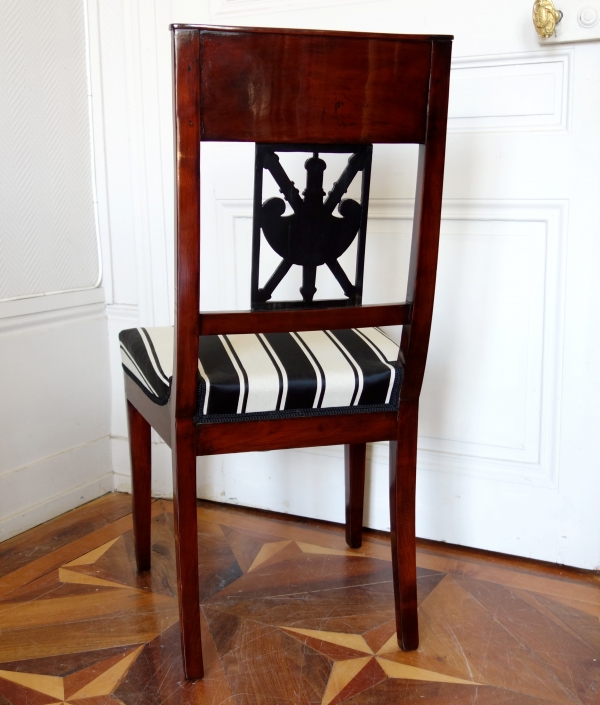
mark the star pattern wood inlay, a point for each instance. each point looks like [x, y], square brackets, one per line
[353, 673]
[289, 615]
[96, 681]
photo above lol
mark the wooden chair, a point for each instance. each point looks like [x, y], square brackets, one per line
[307, 91]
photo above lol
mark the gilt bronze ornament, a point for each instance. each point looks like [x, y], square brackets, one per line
[545, 18]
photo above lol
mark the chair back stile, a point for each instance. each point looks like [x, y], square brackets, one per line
[186, 64]
[426, 227]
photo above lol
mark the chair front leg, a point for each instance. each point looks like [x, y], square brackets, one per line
[186, 544]
[354, 466]
[141, 472]
[403, 473]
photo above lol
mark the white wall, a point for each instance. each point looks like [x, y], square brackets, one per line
[508, 454]
[54, 379]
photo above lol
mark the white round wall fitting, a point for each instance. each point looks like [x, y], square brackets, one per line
[588, 16]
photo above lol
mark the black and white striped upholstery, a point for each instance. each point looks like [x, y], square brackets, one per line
[273, 375]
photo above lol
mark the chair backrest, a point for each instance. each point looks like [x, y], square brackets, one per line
[311, 91]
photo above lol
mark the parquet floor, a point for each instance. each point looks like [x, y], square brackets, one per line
[290, 615]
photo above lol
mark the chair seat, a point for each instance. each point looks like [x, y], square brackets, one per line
[273, 375]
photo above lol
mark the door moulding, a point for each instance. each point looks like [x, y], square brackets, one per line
[544, 223]
[511, 92]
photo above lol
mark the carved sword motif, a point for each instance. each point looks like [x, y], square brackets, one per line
[311, 236]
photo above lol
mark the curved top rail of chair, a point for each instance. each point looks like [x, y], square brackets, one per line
[313, 32]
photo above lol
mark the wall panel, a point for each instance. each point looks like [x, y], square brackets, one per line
[48, 239]
[510, 92]
[55, 381]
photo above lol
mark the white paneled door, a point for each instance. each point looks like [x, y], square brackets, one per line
[510, 419]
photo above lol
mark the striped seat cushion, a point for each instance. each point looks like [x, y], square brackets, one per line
[273, 375]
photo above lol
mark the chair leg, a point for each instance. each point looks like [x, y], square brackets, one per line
[403, 472]
[186, 545]
[139, 448]
[354, 465]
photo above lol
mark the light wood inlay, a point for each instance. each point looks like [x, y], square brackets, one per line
[268, 551]
[311, 548]
[71, 576]
[401, 670]
[351, 641]
[48, 685]
[106, 682]
[341, 674]
[93, 556]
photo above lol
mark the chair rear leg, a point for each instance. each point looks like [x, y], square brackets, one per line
[139, 448]
[186, 545]
[403, 472]
[354, 465]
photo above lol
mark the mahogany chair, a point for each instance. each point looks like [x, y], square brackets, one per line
[293, 374]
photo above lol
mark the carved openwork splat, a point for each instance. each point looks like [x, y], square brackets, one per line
[312, 235]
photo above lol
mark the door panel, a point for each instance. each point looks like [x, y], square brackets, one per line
[508, 454]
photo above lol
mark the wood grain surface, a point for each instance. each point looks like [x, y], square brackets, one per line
[289, 614]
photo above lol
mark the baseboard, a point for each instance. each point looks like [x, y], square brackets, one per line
[119, 318]
[54, 485]
[162, 481]
[288, 481]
